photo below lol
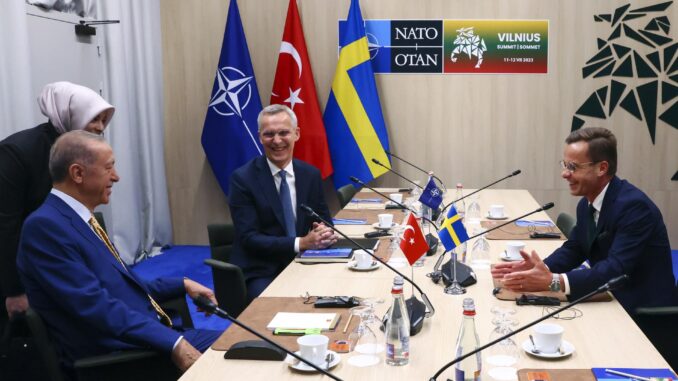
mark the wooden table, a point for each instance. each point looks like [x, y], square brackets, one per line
[605, 336]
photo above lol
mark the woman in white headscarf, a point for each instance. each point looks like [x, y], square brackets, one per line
[24, 174]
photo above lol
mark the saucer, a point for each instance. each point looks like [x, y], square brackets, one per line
[567, 348]
[353, 266]
[496, 218]
[504, 257]
[300, 366]
[376, 226]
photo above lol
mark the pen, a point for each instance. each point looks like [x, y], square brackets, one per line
[348, 322]
[631, 376]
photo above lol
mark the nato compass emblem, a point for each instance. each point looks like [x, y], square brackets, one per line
[233, 92]
[372, 45]
[232, 96]
[435, 192]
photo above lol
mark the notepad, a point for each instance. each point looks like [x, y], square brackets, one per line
[342, 254]
[654, 373]
[304, 320]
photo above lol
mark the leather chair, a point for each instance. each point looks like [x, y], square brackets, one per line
[229, 281]
[657, 323]
[128, 365]
[345, 194]
[565, 222]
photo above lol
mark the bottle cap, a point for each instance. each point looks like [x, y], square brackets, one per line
[469, 305]
[397, 285]
[459, 185]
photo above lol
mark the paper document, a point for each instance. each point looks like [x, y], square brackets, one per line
[304, 320]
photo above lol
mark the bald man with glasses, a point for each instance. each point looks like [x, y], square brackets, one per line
[619, 231]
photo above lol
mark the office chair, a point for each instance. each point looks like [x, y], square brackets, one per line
[565, 223]
[229, 286]
[128, 365]
[221, 237]
[657, 323]
[345, 194]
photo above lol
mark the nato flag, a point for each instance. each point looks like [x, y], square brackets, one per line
[229, 136]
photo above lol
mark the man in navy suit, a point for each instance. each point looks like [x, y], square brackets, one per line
[264, 200]
[90, 300]
[619, 231]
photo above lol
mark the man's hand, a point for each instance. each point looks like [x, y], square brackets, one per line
[501, 269]
[184, 355]
[536, 278]
[16, 305]
[195, 289]
[319, 237]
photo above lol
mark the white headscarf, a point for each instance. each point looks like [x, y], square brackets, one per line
[71, 107]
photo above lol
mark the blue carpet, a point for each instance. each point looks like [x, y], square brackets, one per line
[184, 261]
[674, 256]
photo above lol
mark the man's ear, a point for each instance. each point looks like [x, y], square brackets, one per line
[298, 130]
[76, 172]
[603, 168]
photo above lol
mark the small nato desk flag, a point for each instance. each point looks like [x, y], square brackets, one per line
[432, 196]
[452, 232]
[229, 136]
[356, 132]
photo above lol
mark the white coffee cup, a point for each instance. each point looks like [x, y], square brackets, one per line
[497, 211]
[313, 348]
[397, 197]
[513, 249]
[548, 337]
[385, 220]
[362, 259]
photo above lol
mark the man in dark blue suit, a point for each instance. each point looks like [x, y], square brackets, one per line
[264, 200]
[619, 231]
[90, 300]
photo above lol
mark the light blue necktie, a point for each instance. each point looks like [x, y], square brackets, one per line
[286, 201]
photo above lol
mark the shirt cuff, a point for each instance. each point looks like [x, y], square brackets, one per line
[176, 343]
[296, 244]
[567, 284]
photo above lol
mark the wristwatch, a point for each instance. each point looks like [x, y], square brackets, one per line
[555, 283]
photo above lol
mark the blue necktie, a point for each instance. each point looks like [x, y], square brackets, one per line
[286, 201]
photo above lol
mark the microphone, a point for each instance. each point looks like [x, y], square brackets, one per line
[467, 276]
[209, 306]
[415, 308]
[420, 169]
[516, 172]
[377, 162]
[610, 285]
[431, 240]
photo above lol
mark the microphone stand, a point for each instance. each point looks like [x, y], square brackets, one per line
[416, 308]
[437, 273]
[611, 285]
[377, 162]
[211, 307]
[420, 169]
[431, 240]
[516, 172]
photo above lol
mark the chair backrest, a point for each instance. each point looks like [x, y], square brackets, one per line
[44, 345]
[565, 223]
[229, 286]
[221, 237]
[345, 194]
[657, 323]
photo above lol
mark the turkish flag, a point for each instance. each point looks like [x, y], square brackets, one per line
[293, 86]
[413, 243]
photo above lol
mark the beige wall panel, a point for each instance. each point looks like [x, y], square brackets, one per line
[476, 127]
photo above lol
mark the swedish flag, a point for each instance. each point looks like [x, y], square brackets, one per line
[453, 232]
[356, 132]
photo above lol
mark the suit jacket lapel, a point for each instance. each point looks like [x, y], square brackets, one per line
[606, 209]
[302, 185]
[87, 233]
[268, 188]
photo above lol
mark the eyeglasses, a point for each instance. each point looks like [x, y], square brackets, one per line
[271, 134]
[571, 166]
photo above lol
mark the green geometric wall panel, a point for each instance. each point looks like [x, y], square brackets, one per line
[629, 104]
[647, 94]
